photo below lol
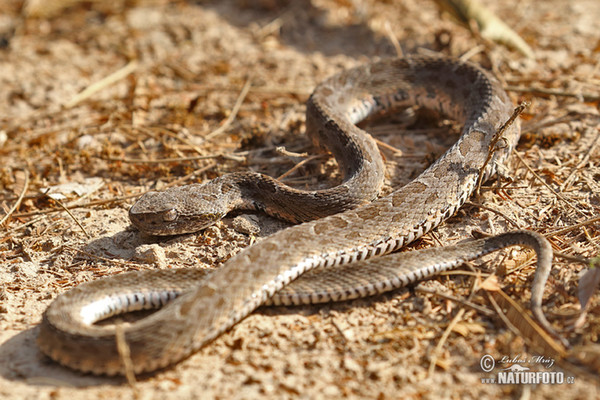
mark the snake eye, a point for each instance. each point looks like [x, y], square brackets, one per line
[170, 215]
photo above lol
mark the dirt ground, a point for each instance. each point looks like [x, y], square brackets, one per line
[179, 69]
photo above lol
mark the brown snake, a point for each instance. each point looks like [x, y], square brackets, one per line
[196, 309]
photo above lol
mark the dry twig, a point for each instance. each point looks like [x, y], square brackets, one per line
[500, 213]
[125, 355]
[539, 178]
[175, 159]
[583, 161]
[586, 97]
[443, 339]
[466, 303]
[19, 199]
[564, 230]
[232, 115]
[70, 215]
[103, 83]
[300, 164]
[494, 142]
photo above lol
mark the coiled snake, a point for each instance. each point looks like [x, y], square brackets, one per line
[337, 245]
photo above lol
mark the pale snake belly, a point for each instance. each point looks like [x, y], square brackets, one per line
[197, 307]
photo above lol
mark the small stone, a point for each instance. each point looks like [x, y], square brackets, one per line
[151, 254]
[247, 224]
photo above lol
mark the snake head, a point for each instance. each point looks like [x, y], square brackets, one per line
[179, 210]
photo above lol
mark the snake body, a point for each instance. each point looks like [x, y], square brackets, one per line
[196, 311]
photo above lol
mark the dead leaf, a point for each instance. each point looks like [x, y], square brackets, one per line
[63, 191]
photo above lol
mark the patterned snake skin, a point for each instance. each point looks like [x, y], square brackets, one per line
[196, 309]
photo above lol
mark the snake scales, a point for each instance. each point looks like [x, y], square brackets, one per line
[195, 309]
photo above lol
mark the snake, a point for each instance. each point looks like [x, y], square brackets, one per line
[340, 248]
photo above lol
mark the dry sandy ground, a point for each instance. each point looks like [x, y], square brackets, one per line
[193, 58]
